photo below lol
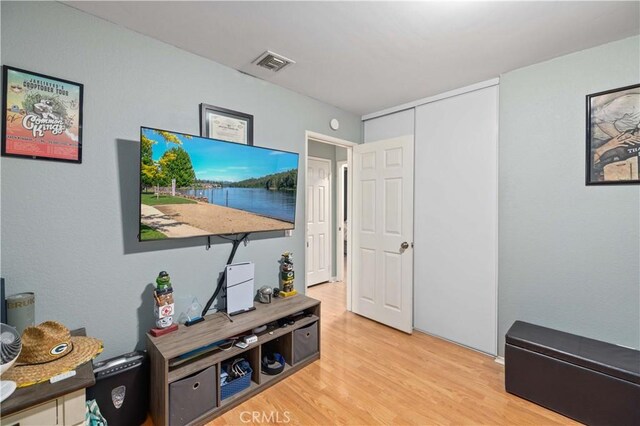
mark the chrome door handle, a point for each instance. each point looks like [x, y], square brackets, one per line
[404, 245]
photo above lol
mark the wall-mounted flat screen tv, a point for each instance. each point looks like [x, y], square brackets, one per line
[192, 186]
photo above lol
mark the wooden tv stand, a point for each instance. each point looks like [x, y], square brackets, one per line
[167, 367]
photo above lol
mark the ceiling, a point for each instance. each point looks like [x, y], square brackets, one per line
[367, 56]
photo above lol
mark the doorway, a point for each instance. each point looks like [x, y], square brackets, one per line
[342, 208]
[328, 211]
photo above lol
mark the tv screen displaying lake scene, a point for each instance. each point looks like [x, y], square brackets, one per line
[193, 186]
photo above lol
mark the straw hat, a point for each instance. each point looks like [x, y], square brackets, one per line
[49, 350]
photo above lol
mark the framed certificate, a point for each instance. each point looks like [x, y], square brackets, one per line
[226, 125]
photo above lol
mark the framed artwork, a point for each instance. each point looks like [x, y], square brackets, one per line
[41, 116]
[225, 124]
[613, 136]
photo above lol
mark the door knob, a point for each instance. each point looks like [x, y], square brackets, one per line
[404, 245]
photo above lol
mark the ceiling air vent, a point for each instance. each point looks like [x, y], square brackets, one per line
[272, 61]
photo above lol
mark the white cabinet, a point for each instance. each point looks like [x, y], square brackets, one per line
[67, 410]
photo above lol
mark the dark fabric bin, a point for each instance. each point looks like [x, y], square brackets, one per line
[192, 396]
[305, 342]
[594, 382]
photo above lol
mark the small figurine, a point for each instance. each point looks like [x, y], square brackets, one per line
[264, 294]
[163, 308]
[163, 281]
[287, 275]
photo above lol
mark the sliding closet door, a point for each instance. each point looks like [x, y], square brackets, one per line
[455, 281]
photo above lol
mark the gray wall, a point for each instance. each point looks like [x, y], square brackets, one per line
[569, 254]
[333, 153]
[69, 231]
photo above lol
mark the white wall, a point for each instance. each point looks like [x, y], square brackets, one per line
[389, 126]
[69, 230]
[569, 253]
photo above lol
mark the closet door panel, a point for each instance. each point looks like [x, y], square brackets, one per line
[456, 212]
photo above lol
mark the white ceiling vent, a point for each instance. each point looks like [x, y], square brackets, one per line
[272, 61]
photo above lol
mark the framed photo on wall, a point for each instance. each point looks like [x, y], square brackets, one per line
[613, 136]
[41, 115]
[225, 124]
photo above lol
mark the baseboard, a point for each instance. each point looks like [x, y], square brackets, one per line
[499, 360]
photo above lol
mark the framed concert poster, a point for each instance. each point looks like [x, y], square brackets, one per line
[42, 116]
[613, 136]
[226, 125]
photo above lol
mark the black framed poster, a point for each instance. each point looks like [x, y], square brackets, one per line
[613, 136]
[42, 116]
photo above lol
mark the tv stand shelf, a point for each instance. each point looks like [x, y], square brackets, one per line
[170, 365]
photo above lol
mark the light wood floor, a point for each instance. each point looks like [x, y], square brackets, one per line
[371, 374]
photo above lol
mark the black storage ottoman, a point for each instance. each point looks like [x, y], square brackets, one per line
[593, 382]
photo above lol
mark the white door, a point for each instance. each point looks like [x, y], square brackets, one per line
[383, 232]
[318, 220]
[457, 207]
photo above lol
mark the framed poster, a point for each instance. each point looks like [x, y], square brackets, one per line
[42, 116]
[225, 124]
[613, 136]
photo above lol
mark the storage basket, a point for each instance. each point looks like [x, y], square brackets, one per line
[191, 397]
[238, 385]
[305, 342]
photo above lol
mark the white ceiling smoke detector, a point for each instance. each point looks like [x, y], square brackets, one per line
[272, 61]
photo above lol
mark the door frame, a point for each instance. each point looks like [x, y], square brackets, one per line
[330, 259]
[348, 145]
[340, 205]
